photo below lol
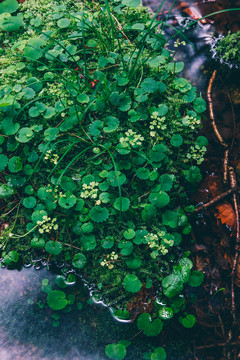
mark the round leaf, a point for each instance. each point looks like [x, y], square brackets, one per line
[121, 204]
[143, 173]
[79, 261]
[68, 201]
[99, 214]
[196, 278]
[131, 283]
[15, 164]
[116, 351]
[56, 299]
[29, 202]
[53, 247]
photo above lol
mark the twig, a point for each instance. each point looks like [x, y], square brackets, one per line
[202, 347]
[211, 113]
[213, 201]
[225, 166]
[120, 28]
[75, 247]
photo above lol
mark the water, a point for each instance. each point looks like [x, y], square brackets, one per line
[26, 332]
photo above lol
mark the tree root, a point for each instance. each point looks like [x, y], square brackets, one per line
[229, 177]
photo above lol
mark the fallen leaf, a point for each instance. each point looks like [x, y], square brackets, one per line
[226, 215]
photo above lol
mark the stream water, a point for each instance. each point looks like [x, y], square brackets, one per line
[26, 330]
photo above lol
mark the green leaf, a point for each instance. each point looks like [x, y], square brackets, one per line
[11, 257]
[193, 174]
[53, 247]
[196, 278]
[185, 263]
[56, 300]
[131, 3]
[134, 263]
[8, 127]
[88, 242]
[176, 140]
[63, 23]
[51, 134]
[199, 105]
[149, 85]
[166, 182]
[149, 327]
[138, 26]
[126, 246]
[108, 242]
[29, 202]
[95, 128]
[158, 153]
[67, 184]
[11, 23]
[3, 162]
[34, 84]
[38, 243]
[24, 135]
[33, 48]
[159, 354]
[87, 227]
[162, 110]
[172, 285]
[170, 218]
[15, 164]
[8, 6]
[165, 313]
[60, 281]
[143, 173]
[160, 199]
[121, 204]
[67, 201]
[116, 351]
[79, 261]
[129, 234]
[116, 178]
[189, 321]
[149, 212]
[99, 214]
[111, 123]
[201, 141]
[28, 93]
[131, 283]
[83, 98]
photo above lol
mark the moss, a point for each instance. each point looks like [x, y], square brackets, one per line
[228, 49]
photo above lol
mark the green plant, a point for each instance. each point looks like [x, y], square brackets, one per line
[227, 49]
[95, 127]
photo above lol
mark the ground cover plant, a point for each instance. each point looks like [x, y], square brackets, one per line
[99, 151]
[227, 49]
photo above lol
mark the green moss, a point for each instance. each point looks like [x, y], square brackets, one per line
[228, 49]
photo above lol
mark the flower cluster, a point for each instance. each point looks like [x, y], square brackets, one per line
[177, 43]
[153, 241]
[132, 138]
[52, 157]
[55, 193]
[191, 121]
[47, 224]
[196, 153]
[157, 123]
[90, 191]
[108, 261]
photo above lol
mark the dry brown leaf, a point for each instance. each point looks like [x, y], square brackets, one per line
[226, 215]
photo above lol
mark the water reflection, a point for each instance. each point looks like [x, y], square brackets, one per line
[27, 333]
